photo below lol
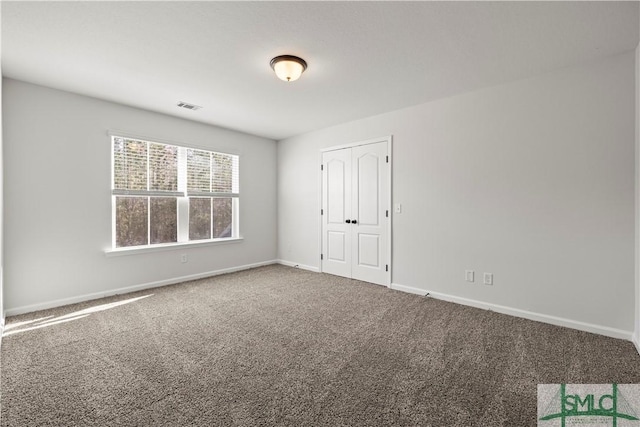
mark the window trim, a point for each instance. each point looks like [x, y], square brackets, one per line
[182, 200]
[131, 135]
[160, 247]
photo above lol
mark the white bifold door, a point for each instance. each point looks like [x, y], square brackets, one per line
[355, 213]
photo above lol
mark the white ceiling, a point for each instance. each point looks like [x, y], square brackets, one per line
[364, 58]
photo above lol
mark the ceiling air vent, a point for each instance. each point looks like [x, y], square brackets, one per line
[188, 106]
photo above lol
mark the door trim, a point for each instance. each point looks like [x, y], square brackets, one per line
[389, 141]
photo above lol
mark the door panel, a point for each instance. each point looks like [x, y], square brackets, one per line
[369, 245]
[336, 204]
[370, 190]
[336, 248]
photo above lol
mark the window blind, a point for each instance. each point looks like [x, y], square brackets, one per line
[212, 174]
[142, 168]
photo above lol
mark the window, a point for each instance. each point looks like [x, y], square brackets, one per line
[164, 194]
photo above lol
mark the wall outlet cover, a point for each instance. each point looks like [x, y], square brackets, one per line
[488, 278]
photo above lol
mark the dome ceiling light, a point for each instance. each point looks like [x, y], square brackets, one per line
[288, 67]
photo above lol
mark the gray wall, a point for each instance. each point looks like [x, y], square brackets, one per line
[532, 181]
[58, 204]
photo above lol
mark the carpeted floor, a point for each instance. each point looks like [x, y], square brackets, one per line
[282, 346]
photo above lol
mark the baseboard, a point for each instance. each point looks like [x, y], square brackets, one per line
[408, 289]
[545, 318]
[296, 265]
[128, 289]
[636, 343]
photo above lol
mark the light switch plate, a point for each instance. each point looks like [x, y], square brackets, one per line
[468, 275]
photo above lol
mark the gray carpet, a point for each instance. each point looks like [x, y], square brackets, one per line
[281, 346]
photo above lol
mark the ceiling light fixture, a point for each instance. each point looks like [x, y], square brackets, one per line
[288, 67]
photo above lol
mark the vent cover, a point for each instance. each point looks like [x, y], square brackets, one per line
[188, 106]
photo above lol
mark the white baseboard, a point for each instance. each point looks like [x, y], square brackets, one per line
[296, 265]
[128, 289]
[408, 289]
[545, 318]
[636, 342]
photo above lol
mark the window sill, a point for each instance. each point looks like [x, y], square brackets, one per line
[168, 247]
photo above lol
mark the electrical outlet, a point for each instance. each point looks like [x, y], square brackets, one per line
[184, 258]
[468, 275]
[488, 278]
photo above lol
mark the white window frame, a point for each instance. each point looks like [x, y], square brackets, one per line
[182, 197]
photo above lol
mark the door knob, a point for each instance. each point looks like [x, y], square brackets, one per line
[353, 221]
[348, 221]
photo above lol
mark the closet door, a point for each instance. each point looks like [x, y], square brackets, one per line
[355, 195]
[336, 207]
[369, 223]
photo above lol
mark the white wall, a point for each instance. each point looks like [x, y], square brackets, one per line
[532, 181]
[58, 203]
